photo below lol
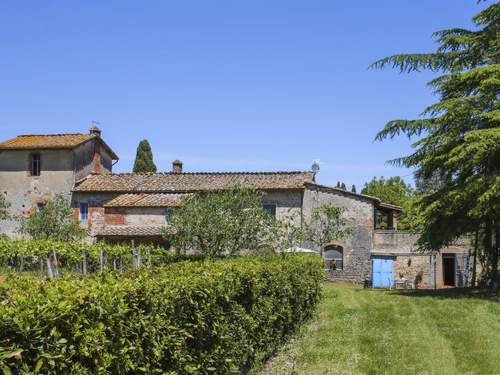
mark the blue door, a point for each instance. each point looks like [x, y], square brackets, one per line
[382, 272]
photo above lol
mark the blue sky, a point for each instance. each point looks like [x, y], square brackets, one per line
[223, 85]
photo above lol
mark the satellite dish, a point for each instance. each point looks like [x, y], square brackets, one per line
[315, 166]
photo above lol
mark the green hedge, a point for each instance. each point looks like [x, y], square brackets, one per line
[212, 316]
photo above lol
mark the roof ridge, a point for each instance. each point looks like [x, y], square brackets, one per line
[53, 135]
[205, 173]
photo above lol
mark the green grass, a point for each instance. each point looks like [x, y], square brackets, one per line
[372, 332]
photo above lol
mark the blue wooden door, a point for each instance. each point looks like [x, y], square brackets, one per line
[382, 272]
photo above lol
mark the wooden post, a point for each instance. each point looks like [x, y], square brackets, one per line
[50, 273]
[101, 260]
[84, 262]
[134, 255]
[55, 263]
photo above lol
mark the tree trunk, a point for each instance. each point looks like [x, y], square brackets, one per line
[491, 253]
[474, 261]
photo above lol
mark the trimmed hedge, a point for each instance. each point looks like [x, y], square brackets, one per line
[211, 316]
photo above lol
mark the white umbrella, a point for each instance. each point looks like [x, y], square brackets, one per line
[296, 249]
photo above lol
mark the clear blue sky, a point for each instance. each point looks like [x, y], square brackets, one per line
[223, 85]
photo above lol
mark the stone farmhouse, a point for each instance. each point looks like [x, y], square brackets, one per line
[128, 206]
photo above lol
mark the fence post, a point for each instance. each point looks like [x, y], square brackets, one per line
[55, 263]
[50, 273]
[134, 255]
[84, 262]
[40, 261]
[101, 260]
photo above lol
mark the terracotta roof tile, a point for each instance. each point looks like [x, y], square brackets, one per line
[51, 141]
[131, 231]
[146, 200]
[192, 182]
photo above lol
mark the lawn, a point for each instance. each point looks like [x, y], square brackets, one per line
[366, 331]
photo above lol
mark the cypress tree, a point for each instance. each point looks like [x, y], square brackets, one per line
[338, 184]
[458, 138]
[353, 189]
[343, 187]
[144, 158]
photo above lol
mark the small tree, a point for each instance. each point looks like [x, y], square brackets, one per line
[327, 224]
[222, 223]
[353, 189]
[392, 190]
[144, 158]
[4, 205]
[52, 220]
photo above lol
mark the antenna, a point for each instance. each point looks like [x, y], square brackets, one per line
[315, 167]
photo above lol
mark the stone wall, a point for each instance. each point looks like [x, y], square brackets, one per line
[414, 268]
[392, 242]
[144, 216]
[359, 213]
[96, 219]
[24, 191]
[288, 203]
[85, 160]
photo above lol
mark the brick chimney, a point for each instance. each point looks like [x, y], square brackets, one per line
[177, 166]
[94, 130]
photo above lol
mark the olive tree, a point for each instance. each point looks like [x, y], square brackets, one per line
[53, 219]
[222, 222]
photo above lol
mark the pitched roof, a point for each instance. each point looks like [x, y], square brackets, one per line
[377, 201]
[146, 200]
[51, 141]
[192, 182]
[131, 231]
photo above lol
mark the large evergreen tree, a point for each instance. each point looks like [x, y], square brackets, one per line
[458, 138]
[144, 158]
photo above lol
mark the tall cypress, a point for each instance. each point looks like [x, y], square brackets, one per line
[144, 158]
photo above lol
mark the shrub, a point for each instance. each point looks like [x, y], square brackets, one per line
[210, 316]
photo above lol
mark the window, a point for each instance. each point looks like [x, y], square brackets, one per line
[169, 212]
[35, 165]
[270, 208]
[334, 257]
[84, 211]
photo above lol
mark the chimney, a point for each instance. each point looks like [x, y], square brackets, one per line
[177, 166]
[94, 130]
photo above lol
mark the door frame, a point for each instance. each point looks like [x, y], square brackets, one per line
[387, 257]
[449, 256]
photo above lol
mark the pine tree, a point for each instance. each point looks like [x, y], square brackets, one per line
[353, 189]
[338, 184]
[144, 158]
[458, 137]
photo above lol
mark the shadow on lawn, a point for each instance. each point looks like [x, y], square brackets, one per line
[451, 293]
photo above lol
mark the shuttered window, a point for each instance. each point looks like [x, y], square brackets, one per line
[35, 165]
